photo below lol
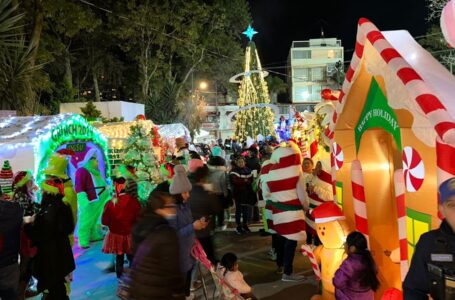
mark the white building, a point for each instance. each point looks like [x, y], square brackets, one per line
[109, 109]
[312, 67]
[217, 122]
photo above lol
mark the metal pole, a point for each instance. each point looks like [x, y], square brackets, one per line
[217, 113]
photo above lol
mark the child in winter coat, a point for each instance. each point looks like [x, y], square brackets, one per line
[120, 214]
[356, 279]
[229, 270]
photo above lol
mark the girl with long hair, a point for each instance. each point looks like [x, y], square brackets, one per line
[356, 279]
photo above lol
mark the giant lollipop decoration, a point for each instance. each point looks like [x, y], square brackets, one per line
[338, 156]
[448, 22]
[413, 169]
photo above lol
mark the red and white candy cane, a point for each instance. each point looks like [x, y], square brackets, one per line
[400, 189]
[445, 163]
[358, 193]
[306, 250]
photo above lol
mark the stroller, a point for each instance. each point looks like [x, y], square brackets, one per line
[222, 290]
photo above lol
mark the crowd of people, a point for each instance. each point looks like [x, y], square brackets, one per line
[199, 188]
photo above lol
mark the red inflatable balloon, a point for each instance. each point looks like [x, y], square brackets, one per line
[326, 94]
[392, 294]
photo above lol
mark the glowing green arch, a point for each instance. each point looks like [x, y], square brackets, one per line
[69, 129]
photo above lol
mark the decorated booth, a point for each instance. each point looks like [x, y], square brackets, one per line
[393, 142]
[29, 142]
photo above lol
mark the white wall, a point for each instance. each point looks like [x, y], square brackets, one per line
[109, 109]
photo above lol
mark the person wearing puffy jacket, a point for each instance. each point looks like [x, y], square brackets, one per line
[156, 271]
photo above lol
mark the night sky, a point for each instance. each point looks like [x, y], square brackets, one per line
[279, 22]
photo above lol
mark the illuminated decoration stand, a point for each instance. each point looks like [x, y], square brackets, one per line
[28, 142]
[118, 133]
[253, 91]
[396, 116]
[308, 131]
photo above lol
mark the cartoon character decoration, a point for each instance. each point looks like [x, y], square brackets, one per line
[283, 130]
[309, 129]
[92, 193]
[332, 230]
[57, 169]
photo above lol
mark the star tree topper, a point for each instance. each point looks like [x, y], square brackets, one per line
[249, 32]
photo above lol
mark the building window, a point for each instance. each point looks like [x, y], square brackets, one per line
[331, 53]
[317, 74]
[302, 93]
[301, 54]
[301, 74]
[316, 92]
[417, 223]
[339, 195]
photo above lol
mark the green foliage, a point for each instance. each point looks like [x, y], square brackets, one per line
[89, 111]
[162, 107]
[113, 120]
[9, 24]
[193, 113]
[435, 43]
[136, 48]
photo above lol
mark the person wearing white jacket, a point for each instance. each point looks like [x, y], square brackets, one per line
[229, 270]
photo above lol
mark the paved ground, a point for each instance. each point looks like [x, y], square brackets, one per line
[90, 282]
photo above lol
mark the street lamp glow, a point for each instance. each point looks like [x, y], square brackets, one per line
[203, 85]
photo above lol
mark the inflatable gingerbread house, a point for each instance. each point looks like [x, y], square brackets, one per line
[393, 136]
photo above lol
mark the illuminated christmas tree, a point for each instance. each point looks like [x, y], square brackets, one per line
[253, 91]
[140, 155]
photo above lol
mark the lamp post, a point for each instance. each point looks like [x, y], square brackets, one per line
[203, 85]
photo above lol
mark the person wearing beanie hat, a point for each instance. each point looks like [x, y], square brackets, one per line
[217, 151]
[184, 224]
[431, 248]
[49, 232]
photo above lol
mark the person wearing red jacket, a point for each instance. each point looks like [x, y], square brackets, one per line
[119, 215]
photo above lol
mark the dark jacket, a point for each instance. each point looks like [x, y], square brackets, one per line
[253, 163]
[417, 282]
[155, 273]
[346, 280]
[204, 204]
[10, 229]
[241, 183]
[50, 231]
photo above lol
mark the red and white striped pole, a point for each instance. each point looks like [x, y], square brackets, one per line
[306, 250]
[333, 173]
[400, 189]
[445, 154]
[358, 193]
